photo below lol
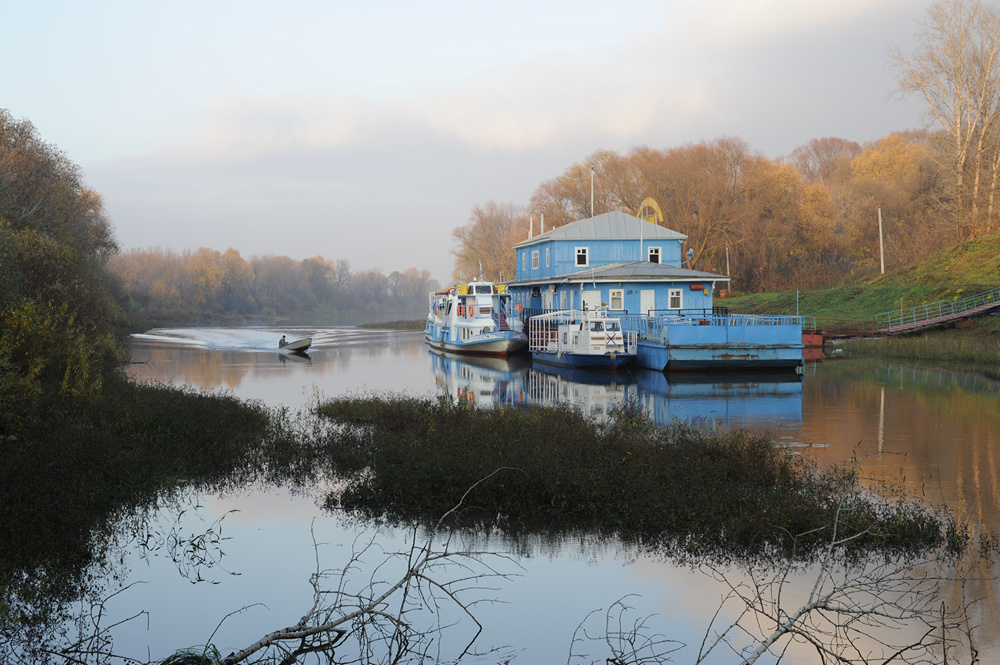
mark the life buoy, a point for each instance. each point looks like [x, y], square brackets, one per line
[461, 310]
[472, 310]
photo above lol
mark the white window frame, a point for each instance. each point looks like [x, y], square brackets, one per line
[616, 293]
[524, 260]
[546, 257]
[675, 295]
[534, 260]
[654, 251]
[585, 253]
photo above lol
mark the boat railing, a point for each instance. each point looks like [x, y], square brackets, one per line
[653, 327]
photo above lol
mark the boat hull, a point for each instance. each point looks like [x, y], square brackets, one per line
[298, 346]
[606, 362]
[499, 345]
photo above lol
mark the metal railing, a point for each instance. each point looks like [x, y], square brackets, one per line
[943, 310]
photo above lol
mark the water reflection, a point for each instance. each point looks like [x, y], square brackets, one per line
[937, 432]
[713, 400]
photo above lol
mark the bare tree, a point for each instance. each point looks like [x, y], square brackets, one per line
[381, 620]
[857, 611]
[955, 68]
[486, 243]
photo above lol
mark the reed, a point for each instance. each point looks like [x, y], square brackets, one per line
[546, 467]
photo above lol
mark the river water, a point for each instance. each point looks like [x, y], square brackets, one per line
[936, 431]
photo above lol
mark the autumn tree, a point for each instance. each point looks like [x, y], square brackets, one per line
[955, 67]
[819, 159]
[61, 310]
[568, 198]
[487, 240]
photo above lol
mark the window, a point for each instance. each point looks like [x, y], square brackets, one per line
[534, 260]
[581, 257]
[654, 254]
[617, 297]
[524, 260]
[546, 257]
[675, 299]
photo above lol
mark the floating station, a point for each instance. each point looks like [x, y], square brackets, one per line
[632, 269]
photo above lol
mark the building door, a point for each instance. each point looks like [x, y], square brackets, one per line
[591, 299]
[647, 301]
[547, 299]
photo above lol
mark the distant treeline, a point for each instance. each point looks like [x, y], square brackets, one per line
[205, 285]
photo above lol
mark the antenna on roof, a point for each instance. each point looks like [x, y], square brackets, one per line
[543, 223]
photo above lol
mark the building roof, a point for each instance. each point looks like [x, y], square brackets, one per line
[609, 226]
[633, 271]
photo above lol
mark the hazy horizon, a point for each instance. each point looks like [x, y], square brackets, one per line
[368, 132]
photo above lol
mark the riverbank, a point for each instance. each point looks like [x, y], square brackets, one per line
[976, 347]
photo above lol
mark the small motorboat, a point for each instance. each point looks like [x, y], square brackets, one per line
[298, 346]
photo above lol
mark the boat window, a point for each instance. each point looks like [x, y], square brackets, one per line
[611, 325]
[596, 326]
[487, 289]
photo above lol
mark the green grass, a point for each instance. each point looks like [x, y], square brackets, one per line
[977, 347]
[553, 468]
[951, 274]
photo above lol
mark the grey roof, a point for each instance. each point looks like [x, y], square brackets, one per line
[609, 226]
[634, 271]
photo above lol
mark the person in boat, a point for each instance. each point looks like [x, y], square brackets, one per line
[282, 342]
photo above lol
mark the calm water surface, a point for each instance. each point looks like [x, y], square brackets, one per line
[937, 432]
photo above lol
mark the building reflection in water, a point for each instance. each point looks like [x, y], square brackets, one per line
[713, 399]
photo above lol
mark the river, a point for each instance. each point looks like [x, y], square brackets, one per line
[935, 431]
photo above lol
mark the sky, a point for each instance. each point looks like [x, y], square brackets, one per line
[368, 131]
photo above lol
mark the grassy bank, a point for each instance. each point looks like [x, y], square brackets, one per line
[977, 347]
[951, 274]
[547, 468]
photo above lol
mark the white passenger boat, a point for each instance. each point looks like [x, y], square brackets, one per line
[588, 339]
[475, 318]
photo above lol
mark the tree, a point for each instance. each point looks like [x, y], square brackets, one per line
[818, 159]
[488, 241]
[61, 310]
[956, 69]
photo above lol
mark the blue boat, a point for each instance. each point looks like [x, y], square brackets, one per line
[586, 338]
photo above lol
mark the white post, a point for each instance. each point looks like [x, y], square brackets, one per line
[531, 228]
[727, 260]
[543, 224]
[592, 191]
[881, 253]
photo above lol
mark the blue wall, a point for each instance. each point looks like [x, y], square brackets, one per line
[562, 255]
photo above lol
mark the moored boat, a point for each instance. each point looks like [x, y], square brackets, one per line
[476, 318]
[581, 338]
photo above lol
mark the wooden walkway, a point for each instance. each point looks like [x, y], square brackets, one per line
[910, 319]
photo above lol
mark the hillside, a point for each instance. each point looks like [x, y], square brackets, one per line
[951, 274]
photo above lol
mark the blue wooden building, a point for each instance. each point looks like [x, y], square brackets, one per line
[631, 265]
[637, 269]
